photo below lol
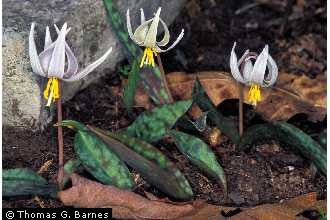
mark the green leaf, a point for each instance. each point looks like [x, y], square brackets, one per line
[225, 125]
[70, 167]
[130, 89]
[151, 78]
[153, 166]
[153, 125]
[290, 136]
[98, 159]
[322, 139]
[23, 181]
[201, 155]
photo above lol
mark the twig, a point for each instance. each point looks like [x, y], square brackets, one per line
[60, 138]
[162, 71]
[246, 8]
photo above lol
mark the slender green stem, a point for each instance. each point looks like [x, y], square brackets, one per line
[162, 71]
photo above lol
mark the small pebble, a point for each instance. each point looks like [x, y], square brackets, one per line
[290, 168]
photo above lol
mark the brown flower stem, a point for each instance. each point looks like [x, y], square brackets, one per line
[240, 107]
[60, 138]
[162, 71]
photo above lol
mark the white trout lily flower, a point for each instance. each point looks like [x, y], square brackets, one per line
[145, 36]
[254, 75]
[51, 62]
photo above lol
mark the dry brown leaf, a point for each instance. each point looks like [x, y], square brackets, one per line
[292, 94]
[286, 210]
[45, 166]
[209, 212]
[128, 205]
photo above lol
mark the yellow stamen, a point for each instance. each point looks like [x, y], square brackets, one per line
[254, 94]
[148, 57]
[51, 92]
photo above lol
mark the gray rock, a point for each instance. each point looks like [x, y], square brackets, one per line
[89, 38]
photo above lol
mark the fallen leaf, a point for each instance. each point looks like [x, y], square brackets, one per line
[85, 193]
[286, 210]
[209, 212]
[292, 94]
[45, 166]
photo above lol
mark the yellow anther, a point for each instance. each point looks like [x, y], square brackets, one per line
[148, 57]
[51, 92]
[254, 94]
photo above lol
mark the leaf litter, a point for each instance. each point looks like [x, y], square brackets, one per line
[290, 96]
[89, 194]
[86, 193]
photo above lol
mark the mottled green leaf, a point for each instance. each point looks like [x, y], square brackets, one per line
[130, 89]
[290, 136]
[201, 155]
[151, 78]
[153, 166]
[98, 159]
[153, 125]
[225, 125]
[23, 181]
[70, 167]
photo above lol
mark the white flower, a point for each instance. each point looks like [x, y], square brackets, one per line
[255, 74]
[51, 61]
[145, 36]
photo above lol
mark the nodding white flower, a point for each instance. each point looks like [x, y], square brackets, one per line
[51, 62]
[254, 75]
[145, 36]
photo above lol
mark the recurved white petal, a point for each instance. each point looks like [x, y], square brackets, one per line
[173, 45]
[129, 26]
[141, 33]
[58, 30]
[89, 68]
[259, 68]
[48, 39]
[46, 55]
[150, 40]
[234, 66]
[243, 57]
[72, 63]
[272, 72]
[143, 18]
[166, 37]
[57, 62]
[247, 70]
[33, 54]
[72, 60]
